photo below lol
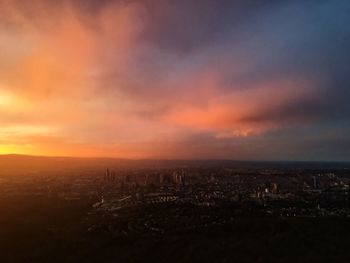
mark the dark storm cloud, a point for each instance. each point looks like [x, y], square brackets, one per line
[288, 39]
[306, 40]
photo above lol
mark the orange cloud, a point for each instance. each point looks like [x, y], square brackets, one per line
[225, 111]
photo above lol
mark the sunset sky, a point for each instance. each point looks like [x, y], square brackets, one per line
[244, 80]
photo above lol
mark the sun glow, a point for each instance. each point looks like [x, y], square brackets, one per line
[6, 98]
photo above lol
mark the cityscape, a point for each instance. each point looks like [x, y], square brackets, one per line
[108, 211]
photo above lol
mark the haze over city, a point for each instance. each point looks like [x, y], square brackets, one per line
[243, 80]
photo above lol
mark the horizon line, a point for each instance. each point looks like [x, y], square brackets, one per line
[169, 159]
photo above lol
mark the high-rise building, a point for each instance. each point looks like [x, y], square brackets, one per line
[113, 176]
[274, 188]
[316, 182]
[107, 175]
[161, 179]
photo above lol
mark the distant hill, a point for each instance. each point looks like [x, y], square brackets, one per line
[25, 164]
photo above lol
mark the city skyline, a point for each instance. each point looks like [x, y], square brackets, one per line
[240, 80]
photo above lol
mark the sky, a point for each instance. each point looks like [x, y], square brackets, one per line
[184, 79]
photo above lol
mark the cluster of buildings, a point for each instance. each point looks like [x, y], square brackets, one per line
[147, 179]
[271, 191]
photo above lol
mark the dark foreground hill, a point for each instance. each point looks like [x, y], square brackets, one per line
[41, 230]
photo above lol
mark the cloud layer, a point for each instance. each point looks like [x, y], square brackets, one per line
[175, 79]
